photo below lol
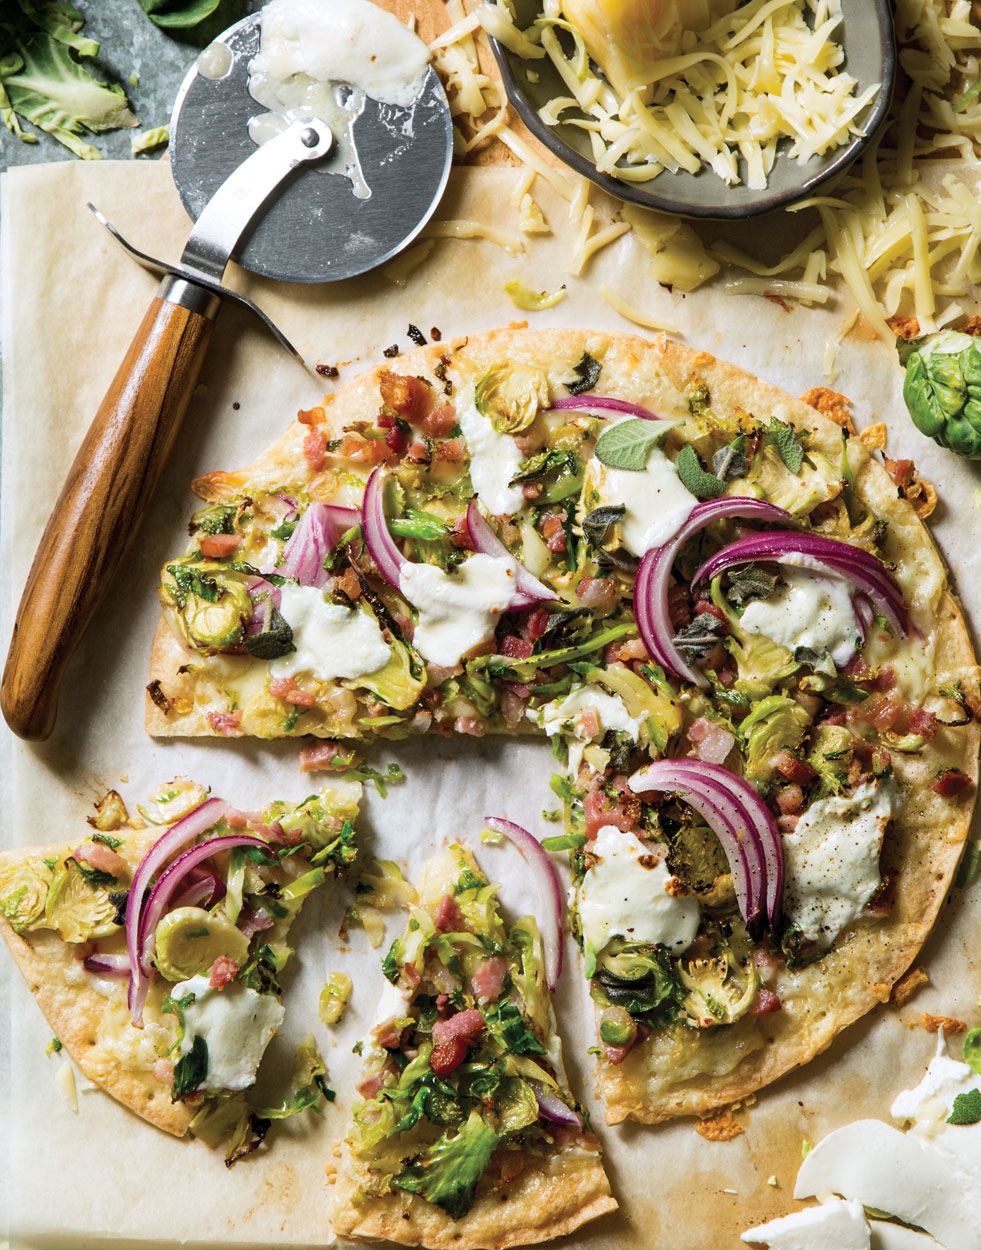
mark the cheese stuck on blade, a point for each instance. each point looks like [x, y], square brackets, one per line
[834, 1225]
[457, 611]
[629, 893]
[237, 1025]
[330, 640]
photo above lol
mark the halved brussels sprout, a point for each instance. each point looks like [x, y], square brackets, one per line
[830, 756]
[190, 939]
[172, 801]
[510, 396]
[395, 684]
[664, 716]
[210, 601]
[516, 1105]
[717, 990]
[23, 893]
[79, 910]
[775, 724]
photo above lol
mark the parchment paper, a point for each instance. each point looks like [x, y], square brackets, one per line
[71, 299]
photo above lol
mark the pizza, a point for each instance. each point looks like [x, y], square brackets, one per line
[154, 948]
[466, 1133]
[715, 601]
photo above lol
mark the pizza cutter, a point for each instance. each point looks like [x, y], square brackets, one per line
[284, 209]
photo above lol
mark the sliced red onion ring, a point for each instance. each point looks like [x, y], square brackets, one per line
[170, 881]
[551, 1106]
[651, 586]
[549, 887]
[741, 821]
[304, 554]
[292, 506]
[343, 517]
[864, 614]
[605, 403]
[528, 589]
[196, 822]
[379, 541]
[868, 575]
[202, 893]
[107, 965]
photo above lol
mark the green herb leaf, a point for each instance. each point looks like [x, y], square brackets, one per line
[751, 582]
[390, 965]
[787, 442]
[178, 14]
[731, 461]
[702, 485]
[273, 642]
[587, 373]
[698, 638]
[191, 1069]
[565, 842]
[108, 840]
[508, 1028]
[596, 525]
[966, 1108]
[627, 444]
[967, 870]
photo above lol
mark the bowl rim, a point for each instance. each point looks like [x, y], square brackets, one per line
[764, 201]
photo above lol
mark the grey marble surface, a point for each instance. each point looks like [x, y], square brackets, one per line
[130, 44]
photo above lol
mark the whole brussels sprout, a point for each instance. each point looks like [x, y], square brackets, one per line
[942, 389]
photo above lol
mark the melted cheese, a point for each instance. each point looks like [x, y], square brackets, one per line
[494, 461]
[807, 610]
[237, 1025]
[457, 611]
[657, 502]
[832, 861]
[330, 640]
[624, 896]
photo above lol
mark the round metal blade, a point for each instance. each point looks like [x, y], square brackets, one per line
[314, 229]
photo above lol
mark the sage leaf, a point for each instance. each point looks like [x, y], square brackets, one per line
[274, 641]
[596, 525]
[702, 485]
[698, 638]
[731, 461]
[587, 373]
[627, 444]
[751, 582]
[786, 440]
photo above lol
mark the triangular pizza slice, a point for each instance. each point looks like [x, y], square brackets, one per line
[154, 947]
[466, 1133]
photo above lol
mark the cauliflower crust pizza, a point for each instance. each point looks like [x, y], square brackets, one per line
[465, 1133]
[713, 599]
[154, 949]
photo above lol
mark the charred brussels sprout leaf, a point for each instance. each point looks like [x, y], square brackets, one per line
[448, 1172]
[510, 396]
[23, 892]
[75, 907]
[274, 641]
[211, 602]
[587, 373]
[942, 390]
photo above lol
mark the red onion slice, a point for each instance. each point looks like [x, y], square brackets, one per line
[549, 887]
[170, 881]
[731, 807]
[204, 892]
[107, 965]
[344, 518]
[196, 822]
[528, 589]
[551, 1106]
[651, 586]
[379, 541]
[308, 546]
[868, 575]
[605, 403]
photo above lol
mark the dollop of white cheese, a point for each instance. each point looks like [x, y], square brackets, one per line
[628, 894]
[494, 460]
[886, 1236]
[831, 860]
[457, 611]
[237, 1025]
[320, 59]
[330, 640]
[807, 610]
[656, 500]
[569, 715]
[834, 1225]
[927, 1107]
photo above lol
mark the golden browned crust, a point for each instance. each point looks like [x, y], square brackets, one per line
[93, 1023]
[549, 1198]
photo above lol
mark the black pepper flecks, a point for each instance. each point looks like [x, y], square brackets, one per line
[435, 334]
[328, 371]
[391, 351]
[416, 335]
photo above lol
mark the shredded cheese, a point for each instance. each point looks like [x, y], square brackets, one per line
[635, 314]
[463, 228]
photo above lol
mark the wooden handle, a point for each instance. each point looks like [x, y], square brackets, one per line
[107, 491]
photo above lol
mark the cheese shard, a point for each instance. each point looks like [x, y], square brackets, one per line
[834, 1225]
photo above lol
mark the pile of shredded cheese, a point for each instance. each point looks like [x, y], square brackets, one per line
[751, 79]
[902, 229]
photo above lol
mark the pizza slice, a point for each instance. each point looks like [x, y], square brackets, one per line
[466, 1133]
[154, 947]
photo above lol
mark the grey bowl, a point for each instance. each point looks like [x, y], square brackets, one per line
[866, 35]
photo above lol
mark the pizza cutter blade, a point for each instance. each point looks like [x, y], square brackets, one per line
[284, 209]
